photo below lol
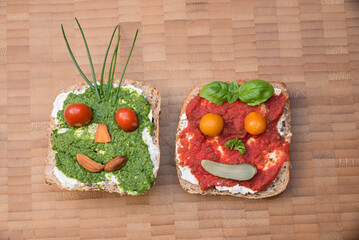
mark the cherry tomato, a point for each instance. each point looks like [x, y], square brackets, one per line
[211, 124]
[255, 123]
[78, 114]
[127, 119]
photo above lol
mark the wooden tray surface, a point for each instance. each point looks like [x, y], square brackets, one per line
[312, 46]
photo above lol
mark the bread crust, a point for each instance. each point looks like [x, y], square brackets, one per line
[282, 179]
[154, 98]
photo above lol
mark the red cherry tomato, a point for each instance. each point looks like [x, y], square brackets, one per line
[127, 119]
[78, 114]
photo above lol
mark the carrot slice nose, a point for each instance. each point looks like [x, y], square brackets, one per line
[102, 135]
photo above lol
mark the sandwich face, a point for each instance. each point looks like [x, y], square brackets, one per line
[139, 146]
[268, 152]
[104, 136]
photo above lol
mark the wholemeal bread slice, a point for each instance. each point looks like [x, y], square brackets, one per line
[282, 179]
[154, 99]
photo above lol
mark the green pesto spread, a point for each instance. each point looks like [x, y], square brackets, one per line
[136, 176]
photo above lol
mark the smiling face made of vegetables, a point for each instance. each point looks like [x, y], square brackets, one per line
[229, 139]
[252, 93]
[79, 115]
[94, 143]
[104, 131]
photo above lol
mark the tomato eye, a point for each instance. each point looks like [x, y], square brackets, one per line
[78, 114]
[255, 123]
[211, 124]
[127, 119]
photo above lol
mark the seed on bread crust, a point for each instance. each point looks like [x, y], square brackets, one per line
[88, 163]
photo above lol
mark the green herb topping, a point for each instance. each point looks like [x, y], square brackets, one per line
[112, 66]
[236, 144]
[253, 92]
[215, 92]
[232, 94]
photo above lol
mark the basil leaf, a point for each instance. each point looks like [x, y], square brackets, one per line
[255, 92]
[236, 144]
[233, 92]
[215, 92]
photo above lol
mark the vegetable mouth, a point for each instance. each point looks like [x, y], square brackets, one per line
[90, 165]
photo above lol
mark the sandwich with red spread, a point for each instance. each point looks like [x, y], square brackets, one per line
[233, 139]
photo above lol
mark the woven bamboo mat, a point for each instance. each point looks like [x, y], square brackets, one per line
[313, 46]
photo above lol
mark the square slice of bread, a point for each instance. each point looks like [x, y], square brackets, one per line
[153, 97]
[282, 179]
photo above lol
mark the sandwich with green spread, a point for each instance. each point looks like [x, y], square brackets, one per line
[104, 136]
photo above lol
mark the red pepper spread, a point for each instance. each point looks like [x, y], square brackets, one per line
[267, 151]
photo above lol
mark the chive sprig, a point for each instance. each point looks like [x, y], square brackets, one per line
[124, 69]
[74, 60]
[112, 65]
[111, 73]
[104, 61]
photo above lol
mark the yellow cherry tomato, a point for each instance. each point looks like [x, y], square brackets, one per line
[211, 124]
[255, 123]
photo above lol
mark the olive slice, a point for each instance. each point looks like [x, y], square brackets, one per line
[239, 172]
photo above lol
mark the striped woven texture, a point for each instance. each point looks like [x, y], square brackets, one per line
[311, 45]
